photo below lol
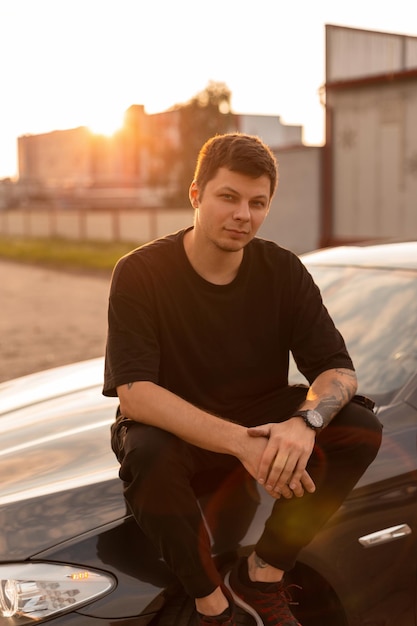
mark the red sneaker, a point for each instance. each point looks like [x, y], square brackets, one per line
[268, 608]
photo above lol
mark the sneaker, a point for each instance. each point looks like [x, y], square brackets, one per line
[206, 620]
[217, 620]
[238, 617]
[269, 608]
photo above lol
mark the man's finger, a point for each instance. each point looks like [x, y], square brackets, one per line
[300, 481]
[308, 483]
[297, 488]
[280, 474]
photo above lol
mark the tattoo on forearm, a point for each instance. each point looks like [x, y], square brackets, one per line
[330, 405]
[349, 373]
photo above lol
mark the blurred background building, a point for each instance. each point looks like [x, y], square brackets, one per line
[138, 166]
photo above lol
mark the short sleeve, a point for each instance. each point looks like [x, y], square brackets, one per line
[316, 343]
[132, 350]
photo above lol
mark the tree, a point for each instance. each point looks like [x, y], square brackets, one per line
[206, 114]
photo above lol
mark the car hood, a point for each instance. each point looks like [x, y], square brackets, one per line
[55, 460]
[47, 384]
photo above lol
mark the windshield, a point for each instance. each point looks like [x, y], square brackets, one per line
[376, 312]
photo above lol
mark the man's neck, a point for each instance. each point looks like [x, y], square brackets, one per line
[217, 266]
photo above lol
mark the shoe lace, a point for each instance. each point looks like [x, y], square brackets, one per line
[278, 602]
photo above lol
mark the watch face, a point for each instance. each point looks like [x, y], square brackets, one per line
[314, 418]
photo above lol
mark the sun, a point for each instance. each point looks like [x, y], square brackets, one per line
[105, 122]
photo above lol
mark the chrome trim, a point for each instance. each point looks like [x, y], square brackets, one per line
[385, 536]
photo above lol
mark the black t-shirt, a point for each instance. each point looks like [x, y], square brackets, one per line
[224, 348]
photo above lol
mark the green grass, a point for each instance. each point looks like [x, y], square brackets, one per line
[63, 253]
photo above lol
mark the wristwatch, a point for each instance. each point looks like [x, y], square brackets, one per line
[312, 418]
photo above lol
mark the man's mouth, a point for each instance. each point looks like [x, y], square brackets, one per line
[235, 231]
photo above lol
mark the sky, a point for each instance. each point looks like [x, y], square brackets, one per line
[69, 63]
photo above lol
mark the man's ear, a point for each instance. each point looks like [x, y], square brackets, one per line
[193, 194]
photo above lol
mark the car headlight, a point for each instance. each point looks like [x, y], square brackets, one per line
[35, 591]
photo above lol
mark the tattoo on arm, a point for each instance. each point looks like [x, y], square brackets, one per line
[330, 405]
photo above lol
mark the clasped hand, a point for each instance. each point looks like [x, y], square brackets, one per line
[280, 453]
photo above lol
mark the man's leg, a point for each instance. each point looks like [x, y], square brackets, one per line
[157, 469]
[342, 453]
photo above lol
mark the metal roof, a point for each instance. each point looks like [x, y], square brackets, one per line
[353, 53]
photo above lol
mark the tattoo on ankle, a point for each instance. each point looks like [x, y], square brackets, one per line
[260, 562]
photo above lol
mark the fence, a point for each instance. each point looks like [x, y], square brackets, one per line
[121, 225]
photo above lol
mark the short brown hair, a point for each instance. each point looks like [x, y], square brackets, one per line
[246, 154]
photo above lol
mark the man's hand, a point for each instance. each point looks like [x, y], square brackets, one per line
[275, 455]
[282, 467]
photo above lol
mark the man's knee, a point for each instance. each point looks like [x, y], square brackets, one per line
[358, 426]
[148, 451]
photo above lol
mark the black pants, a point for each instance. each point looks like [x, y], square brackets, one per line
[160, 473]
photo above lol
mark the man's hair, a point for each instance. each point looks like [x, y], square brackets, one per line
[246, 154]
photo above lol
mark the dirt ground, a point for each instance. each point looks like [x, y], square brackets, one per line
[49, 317]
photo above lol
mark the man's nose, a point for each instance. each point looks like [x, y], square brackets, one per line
[242, 211]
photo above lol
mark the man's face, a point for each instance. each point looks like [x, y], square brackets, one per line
[231, 209]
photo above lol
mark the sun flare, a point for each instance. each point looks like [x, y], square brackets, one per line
[106, 123]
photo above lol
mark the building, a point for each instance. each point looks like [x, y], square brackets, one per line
[370, 156]
[76, 166]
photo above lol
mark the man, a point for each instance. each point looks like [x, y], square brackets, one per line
[201, 325]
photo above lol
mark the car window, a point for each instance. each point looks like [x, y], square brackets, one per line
[376, 312]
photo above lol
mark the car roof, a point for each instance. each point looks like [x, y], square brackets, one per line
[401, 255]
